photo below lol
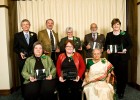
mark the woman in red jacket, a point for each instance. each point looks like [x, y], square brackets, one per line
[70, 68]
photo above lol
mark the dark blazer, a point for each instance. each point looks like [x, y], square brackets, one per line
[20, 44]
[122, 39]
[88, 38]
[76, 41]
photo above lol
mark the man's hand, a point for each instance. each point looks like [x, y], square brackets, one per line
[22, 55]
[88, 46]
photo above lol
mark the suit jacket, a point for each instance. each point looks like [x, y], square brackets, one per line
[20, 44]
[88, 38]
[46, 42]
[76, 41]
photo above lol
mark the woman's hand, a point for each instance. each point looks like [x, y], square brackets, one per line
[32, 79]
[108, 51]
[49, 77]
[61, 79]
[77, 79]
[86, 77]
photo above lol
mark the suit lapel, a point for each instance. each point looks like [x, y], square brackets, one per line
[47, 36]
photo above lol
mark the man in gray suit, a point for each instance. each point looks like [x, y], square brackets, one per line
[92, 37]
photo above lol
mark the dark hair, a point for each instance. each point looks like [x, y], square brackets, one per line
[37, 43]
[49, 19]
[71, 42]
[114, 21]
[25, 20]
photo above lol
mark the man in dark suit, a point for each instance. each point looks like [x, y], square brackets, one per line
[23, 44]
[92, 37]
[49, 40]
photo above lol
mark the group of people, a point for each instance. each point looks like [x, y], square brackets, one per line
[45, 64]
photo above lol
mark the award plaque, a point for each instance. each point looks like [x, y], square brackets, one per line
[40, 74]
[115, 48]
[112, 48]
[70, 74]
[95, 45]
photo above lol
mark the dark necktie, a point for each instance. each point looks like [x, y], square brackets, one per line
[52, 40]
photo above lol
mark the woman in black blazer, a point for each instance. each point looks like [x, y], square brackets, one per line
[121, 42]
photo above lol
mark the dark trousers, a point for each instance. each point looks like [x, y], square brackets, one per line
[121, 72]
[40, 89]
[69, 90]
[20, 66]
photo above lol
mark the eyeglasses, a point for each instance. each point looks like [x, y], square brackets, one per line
[69, 46]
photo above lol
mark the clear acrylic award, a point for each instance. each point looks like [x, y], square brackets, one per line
[40, 74]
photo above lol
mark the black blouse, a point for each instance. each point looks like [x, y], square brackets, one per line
[38, 64]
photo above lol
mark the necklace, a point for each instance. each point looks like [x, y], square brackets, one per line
[70, 58]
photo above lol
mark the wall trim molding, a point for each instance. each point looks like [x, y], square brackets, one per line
[134, 85]
[6, 92]
[138, 3]
[4, 6]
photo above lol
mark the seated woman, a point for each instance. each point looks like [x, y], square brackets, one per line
[39, 73]
[96, 83]
[70, 68]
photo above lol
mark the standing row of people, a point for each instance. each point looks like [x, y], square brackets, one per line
[68, 46]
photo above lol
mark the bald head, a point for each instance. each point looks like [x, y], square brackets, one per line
[93, 27]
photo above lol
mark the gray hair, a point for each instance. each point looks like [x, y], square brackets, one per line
[69, 29]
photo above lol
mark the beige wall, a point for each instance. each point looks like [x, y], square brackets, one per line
[138, 57]
[5, 59]
[3, 2]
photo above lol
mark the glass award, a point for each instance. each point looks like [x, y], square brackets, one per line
[95, 45]
[40, 74]
[113, 48]
[120, 48]
[69, 74]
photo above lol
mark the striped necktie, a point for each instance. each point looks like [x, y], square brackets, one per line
[52, 40]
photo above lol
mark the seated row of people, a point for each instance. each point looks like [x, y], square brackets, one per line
[39, 73]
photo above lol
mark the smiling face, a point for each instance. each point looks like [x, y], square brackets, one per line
[38, 50]
[96, 54]
[70, 34]
[49, 24]
[69, 48]
[116, 26]
[25, 26]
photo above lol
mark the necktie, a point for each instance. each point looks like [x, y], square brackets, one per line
[52, 40]
[93, 36]
[27, 38]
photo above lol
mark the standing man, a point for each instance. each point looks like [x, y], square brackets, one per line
[49, 40]
[23, 44]
[92, 37]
